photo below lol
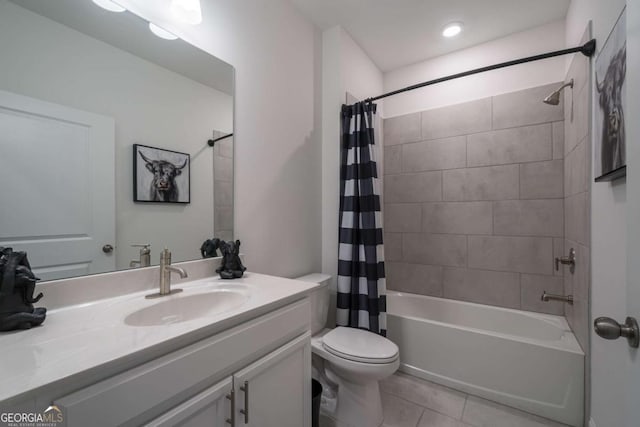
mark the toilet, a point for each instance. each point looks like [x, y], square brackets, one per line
[352, 359]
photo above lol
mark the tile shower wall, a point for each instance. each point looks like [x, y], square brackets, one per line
[474, 203]
[223, 187]
[577, 201]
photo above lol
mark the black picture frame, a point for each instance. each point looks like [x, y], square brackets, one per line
[609, 94]
[161, 175]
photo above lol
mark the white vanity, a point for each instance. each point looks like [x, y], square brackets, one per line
[121, 359]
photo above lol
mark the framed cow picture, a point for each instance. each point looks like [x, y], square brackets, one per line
[610, 102]
[161, 176]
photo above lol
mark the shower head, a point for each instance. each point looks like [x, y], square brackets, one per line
[554, 98]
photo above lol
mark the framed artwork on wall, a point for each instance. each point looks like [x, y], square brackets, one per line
[161, 176]
[610, 100]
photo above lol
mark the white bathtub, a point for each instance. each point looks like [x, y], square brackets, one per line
[525, 360]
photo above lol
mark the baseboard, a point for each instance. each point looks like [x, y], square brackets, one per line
[592, 423]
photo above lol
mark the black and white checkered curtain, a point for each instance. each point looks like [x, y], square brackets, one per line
[361, 279]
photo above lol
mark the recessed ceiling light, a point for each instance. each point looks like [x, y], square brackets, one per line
[452, 30]
[161, 32]
[109, 5]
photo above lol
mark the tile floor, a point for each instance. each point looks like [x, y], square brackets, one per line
[411, 402]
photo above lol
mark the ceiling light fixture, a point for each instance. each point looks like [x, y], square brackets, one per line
[188, 11]
[109, 5]
[452, 29]
[161, 32]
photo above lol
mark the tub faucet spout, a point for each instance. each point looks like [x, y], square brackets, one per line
[552, 297]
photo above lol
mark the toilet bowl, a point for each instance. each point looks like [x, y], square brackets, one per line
[354, 360]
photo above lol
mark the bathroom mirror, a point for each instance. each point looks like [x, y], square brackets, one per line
[79, 88]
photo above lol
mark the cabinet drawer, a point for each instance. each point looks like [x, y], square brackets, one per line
[144, 389]
[210, 407]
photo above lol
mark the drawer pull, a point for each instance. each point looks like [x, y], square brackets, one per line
[232, 397]
[245, 411]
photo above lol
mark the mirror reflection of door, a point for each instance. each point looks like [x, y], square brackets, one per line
[57, 186]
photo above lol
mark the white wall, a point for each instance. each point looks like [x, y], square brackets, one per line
[608, 241]
[531, 42]
[51, 62]
[276, 54]
[345, 68]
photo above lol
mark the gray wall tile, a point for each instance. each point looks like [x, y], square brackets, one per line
[486, 183]
[576, 218]
[532, 288]
[457, 217]
[402, 129]
[414, 187]
[542, 180]
[225, 147]
[404, 217]
[525, 107]
[529, 218]
[392, 159]
[578, 285]
[223, 193]
[558, 251]
[515, 145]
[516, 254]
[222, 168]
[392, 246]
[558, 139]
[576, 170]
[454, 120]
[435, 249]
[223, 218]
[484, 287]
[414, 278]
[448, 153]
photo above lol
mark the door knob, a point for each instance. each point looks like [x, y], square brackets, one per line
[609, 329]
[107, 249]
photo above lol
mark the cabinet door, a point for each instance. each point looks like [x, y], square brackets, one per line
[275, 391]
[210, 408]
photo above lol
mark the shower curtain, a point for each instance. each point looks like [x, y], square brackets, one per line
[361, 280]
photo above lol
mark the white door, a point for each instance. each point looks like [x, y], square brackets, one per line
[617, 365]
[633, 199]
[275, 391]
[210, 408]
[57, 186]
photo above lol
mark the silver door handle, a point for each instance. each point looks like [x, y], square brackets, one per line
[609, 329]
[107, 249]
[245, 388]
[232, 397]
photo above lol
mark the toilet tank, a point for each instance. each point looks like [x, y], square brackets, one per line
[319, 300]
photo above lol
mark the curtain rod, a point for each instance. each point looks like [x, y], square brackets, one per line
[212, 142]
[586, 49]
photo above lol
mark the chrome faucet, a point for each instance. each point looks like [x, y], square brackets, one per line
[144, 257]
[165, 275]
[564, 298]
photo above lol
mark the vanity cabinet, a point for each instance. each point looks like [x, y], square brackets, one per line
[255, 374]
[276, 390]
[273, 391]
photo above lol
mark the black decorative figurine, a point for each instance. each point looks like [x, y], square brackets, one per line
[209, 248]
[17, 284]
[231, 267]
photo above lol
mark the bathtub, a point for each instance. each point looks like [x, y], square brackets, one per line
[525, 360]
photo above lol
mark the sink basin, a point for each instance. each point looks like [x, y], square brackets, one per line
[182, 308]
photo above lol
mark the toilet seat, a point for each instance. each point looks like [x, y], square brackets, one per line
[359, 345]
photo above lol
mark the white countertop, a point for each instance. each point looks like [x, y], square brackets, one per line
[78, 338]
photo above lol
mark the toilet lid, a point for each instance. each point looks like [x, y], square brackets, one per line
[360, 345]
